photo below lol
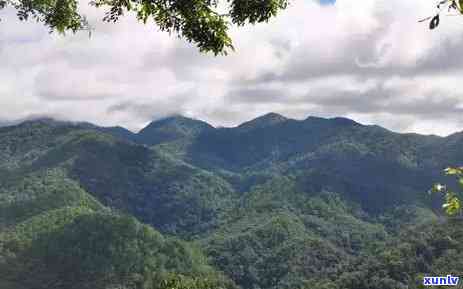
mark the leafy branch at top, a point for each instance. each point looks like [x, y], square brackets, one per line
[197, 21]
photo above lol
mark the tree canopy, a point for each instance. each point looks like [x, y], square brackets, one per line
[198, 21]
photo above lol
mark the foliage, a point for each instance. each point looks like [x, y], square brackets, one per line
[40, 192]
[444, 5]
[58, 236]
[452, 203]
[301, 234]
[58, 15]
[93, 250]
[197, 21]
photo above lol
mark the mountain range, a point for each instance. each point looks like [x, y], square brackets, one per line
[271, 203]
[397, 167]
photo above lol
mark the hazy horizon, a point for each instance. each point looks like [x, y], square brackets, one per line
[45, 117]
[336, 59]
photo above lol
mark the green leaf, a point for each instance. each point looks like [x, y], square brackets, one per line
[453, 206]
[454, 171]
[438, 188]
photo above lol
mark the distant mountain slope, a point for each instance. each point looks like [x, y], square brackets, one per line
[119, 132]
[238, 149]
[276, 203]
[349, 157]
[370, 164]
[171, 195]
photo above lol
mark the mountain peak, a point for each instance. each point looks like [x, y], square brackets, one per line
[337, 121]
[176, 118]
[172, 128]
[41, 120]
[51, 122]
[265, 120]
[344, 121]
[177, 122]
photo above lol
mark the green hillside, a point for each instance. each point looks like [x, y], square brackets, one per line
[373, 166]
[173, 196]
[54, 234]
[81, 248]
[273, 203]
[306, 237]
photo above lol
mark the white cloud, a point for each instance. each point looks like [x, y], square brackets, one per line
[370, 60]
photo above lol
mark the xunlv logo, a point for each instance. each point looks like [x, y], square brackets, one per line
[441, 281]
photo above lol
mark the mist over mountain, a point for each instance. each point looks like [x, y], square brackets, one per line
[271, 203]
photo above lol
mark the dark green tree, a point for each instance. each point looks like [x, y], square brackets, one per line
[201, 22]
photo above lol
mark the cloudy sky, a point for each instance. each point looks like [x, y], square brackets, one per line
[369, 60]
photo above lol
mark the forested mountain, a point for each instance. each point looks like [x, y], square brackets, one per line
[272, 203]
[56, 235]
[171, 129]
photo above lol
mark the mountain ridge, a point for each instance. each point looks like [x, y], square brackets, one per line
[271, 116]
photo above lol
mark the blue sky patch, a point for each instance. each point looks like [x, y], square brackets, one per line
[327, 2]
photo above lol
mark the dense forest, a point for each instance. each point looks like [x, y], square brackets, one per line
[272, 203]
